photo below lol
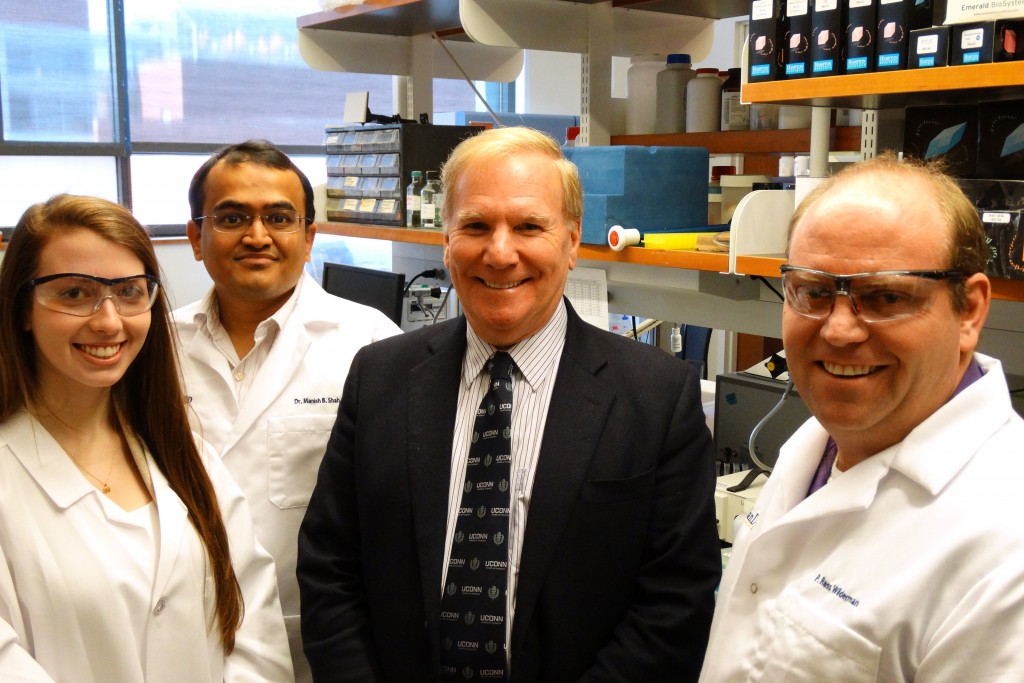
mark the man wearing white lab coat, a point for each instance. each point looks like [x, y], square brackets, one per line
[265, 353]
[887, 544]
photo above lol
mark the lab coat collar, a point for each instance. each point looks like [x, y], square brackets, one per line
[930, 456]
[45, 460]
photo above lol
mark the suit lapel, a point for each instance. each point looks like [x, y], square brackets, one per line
[433, 383]
[579, 409]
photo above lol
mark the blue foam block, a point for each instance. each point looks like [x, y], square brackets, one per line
[648, 188]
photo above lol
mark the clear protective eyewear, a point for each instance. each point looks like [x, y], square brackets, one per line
[82, 295]
[278, 220]
[876, 297]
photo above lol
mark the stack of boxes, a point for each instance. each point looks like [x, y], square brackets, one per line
[982, 143]
[369, 166]
[800, 38]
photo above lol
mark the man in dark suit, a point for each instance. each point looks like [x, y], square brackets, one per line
[608, 527]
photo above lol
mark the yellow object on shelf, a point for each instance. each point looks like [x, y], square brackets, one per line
[675, 240]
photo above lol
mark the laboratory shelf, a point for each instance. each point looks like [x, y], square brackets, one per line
[414, 17]
[762, 265]
[688, 260]
[893, 89]
[841, 139]
[388, 17]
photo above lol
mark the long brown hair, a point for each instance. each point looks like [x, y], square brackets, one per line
[149, 398]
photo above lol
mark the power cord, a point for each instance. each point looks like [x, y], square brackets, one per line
[764, 281]
[760, 467]
[435, 273]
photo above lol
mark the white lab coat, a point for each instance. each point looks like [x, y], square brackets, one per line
[273, 443]
[58, 622]
[907, 567]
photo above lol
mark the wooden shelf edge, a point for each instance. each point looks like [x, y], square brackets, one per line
[684, 259]
[381, 232]
[841, 139]
[689, 260]
[872, 88]
[764, 266]
[328, 17]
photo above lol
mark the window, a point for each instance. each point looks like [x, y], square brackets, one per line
[123, 99]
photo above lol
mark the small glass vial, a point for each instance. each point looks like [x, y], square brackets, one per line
[412, 200]
[429, 208]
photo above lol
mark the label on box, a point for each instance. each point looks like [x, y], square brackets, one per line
[352, 181]
[860, 3]
[972, 39]
[387, 206]
[928, 45]
[796, 8]
[995, 217]
[761, 9]
[367, 205]
[825, 5]
[966, 11]
[889, 2]
[350, 205]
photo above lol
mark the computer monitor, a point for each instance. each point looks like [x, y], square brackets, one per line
[379, 289]
[741, 400]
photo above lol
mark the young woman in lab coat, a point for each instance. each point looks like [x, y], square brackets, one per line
[127, 553]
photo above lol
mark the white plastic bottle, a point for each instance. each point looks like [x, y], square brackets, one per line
[670, 115]
[704, 102]
[642, 93]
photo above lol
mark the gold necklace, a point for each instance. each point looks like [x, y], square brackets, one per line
[104, 486]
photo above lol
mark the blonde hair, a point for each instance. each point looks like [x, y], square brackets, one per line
[968, 252]
[498, 142]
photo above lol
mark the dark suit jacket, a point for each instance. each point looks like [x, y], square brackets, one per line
[620, 557]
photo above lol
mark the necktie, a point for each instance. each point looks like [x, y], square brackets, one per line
[473, 602]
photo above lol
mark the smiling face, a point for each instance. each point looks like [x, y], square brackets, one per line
[509, 246]
[253, 266]
[75, 352]
[871, 384]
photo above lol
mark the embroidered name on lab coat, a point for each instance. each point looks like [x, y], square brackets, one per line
[311, 400]
[836, 590]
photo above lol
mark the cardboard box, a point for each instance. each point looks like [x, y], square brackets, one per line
[648, 188]
[1008, 41]
[763, 45]
[859, 42]
[796, 39]
[929, 47]
[927, 13]
[1001, 140]
[826, 38]
[993, 195]
[972, 43]
[892, 33]
[947, 132]
[1006, 243]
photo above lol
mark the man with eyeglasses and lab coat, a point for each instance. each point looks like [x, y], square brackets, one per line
[886, 544]
[265, 353]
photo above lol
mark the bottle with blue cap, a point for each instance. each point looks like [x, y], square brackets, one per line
[670, 114]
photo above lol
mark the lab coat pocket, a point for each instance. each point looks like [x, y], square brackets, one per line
[295, 445]
[804, 643]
